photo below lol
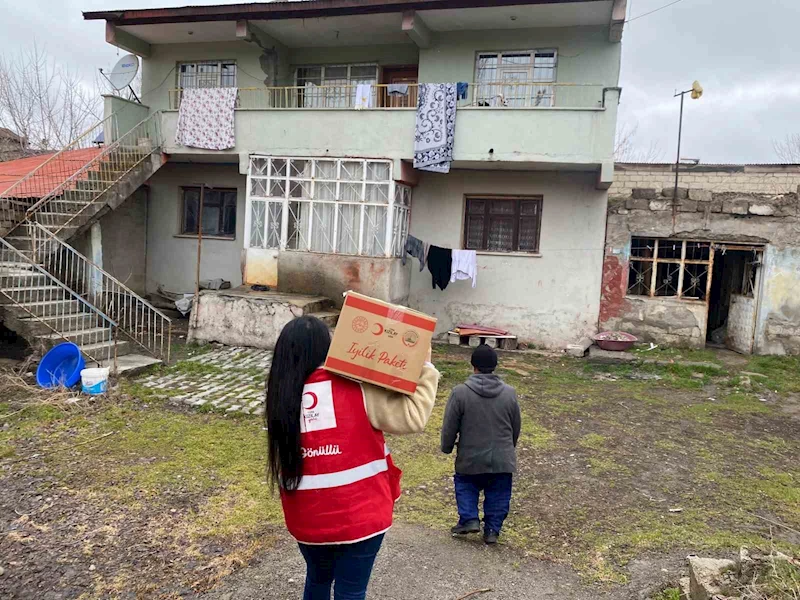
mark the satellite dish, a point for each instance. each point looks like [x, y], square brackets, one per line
[124, 71]
[697, 90]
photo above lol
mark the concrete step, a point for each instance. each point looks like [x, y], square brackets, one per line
[319, 305]
[77, 321]
[21, 278]
[65, 306]
[329, 317]
[131, 364]
[20, 242]
[83, 337]
[35, 293]
[103, 350]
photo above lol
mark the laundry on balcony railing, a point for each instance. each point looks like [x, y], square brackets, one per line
[206, 118]
[435, 130]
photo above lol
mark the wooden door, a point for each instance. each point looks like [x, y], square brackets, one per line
[400, 74]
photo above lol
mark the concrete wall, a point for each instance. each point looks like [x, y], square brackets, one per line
[128, 114]
[171, 258]
[124, 237]
[549, 300]
[769, 218]
[331, 275]
[755, 179]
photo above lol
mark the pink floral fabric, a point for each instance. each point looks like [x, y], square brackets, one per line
[206, 118]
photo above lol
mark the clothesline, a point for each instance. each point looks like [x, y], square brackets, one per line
[446, 265]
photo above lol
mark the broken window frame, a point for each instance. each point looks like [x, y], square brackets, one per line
[682, 261]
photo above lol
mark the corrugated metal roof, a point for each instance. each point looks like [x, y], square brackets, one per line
[48, 178]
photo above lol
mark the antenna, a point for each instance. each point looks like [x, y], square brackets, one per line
[123, 73]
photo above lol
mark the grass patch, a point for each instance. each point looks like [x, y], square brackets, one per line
[593, 441]
[668, 594]
[783, 372]
[606, 466]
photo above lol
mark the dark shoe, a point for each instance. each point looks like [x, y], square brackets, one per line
[490, 537]
[473, 526]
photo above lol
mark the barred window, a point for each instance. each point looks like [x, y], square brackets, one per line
[335, 206]
[219, 212]
[517, 79]
[672, 268]
[502, 224]
[207, 74]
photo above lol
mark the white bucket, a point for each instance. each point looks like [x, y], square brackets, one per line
[94, 381]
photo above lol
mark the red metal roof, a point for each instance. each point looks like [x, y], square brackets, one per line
[47, 178]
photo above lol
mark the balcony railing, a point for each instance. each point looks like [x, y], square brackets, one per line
[499, 94]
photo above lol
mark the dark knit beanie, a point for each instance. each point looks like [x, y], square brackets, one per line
[484, 359]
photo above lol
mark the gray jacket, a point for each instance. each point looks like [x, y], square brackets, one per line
[484, 414]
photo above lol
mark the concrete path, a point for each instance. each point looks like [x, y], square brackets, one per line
[417, 563]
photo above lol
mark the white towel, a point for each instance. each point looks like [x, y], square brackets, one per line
[465, 266]
[363, 96]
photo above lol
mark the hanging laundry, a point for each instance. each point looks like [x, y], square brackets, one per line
[427, 247]
[462, 88]
[440, 263]
[435, 130]
[415, 248]
[465, 266]
[363, 96]
[397, 89]
[206, 118]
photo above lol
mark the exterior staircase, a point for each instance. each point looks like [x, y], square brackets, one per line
[49, 292]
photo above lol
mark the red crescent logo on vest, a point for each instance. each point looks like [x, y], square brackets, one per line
[314, 401]
[380, 329]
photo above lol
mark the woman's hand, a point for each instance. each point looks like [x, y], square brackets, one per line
[428, 355]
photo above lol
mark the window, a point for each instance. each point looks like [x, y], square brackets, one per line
[206, 74]
[516, 79]
[335, 206]
[332, 86]
[501, 224]
[219, 212]
[675, 268]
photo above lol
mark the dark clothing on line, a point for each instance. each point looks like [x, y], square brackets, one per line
[496, 489]
[484, 415]
[440, 264]
[461, 90]
[347, 567]
[415, 248]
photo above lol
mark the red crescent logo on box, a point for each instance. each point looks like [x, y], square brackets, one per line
[379, 331]
[360, 324]
[314, 401]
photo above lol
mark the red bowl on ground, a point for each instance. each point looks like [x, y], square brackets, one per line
[615, 341]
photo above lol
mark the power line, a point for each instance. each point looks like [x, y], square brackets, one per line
[653, 11]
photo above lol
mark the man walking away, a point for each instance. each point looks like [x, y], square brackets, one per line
[483, 415]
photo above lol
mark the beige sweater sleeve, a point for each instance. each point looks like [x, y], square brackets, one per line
[398, 413]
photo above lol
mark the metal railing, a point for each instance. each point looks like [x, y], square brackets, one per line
[134, 316]
[50, 175]
[486, 94]
[68, 200]
[55, 312]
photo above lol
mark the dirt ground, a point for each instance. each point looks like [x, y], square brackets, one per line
[623, 470]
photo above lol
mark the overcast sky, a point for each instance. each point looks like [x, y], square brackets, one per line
[746, 54]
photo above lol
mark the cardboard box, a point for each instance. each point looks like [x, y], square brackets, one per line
[380, 343]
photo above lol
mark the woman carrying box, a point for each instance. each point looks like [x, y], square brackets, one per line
[327, 454]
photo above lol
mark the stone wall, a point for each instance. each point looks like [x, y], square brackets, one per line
[755, 179]
[706, 209]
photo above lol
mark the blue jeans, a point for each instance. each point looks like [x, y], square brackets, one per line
[496, 489]
[349, 565]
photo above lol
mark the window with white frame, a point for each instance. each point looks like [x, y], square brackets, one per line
[516, 78]
[335, 206]
[207, 74]
[662, 267]
[332, 86]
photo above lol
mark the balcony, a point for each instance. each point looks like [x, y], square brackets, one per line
[537, 124]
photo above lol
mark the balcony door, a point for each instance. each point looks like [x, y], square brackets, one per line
[402, 74]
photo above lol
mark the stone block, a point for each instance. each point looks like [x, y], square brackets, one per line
[579, 350]
[623, 211]
[474, 341]
[453, 339]
[700, 195]
[716, 206]
[660, 205]
[491, 342]
[637, 204]
[644, 193]
[669, 192]
[607, 357]
[687, 206]
[710, 577]
[762, 210]
[738, 206]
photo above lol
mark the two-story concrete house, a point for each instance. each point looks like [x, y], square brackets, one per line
[317, 191]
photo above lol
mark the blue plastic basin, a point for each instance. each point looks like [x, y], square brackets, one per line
[61, 367]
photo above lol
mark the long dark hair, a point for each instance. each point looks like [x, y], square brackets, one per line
[301, 348]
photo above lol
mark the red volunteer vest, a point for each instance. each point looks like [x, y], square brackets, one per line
[349, 483]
